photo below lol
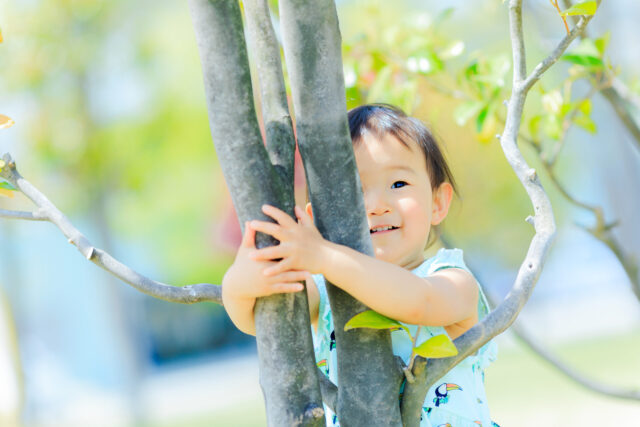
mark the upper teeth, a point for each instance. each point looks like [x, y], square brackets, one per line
[386, 227]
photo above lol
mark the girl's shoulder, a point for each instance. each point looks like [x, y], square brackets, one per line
[444, 258]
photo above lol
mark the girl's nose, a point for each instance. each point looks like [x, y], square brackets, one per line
[375, 204]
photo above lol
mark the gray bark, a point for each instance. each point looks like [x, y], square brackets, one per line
[287, 363]
[265, 52]
[312, 47]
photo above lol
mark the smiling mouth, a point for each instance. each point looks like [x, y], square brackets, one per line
[382, 229]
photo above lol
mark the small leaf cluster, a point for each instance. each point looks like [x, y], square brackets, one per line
[560, 109]
[387, 63]
[435, 347]
[485, 81]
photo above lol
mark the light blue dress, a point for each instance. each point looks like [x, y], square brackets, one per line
[458, 399]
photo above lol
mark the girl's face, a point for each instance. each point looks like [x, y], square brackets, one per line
[400, 204]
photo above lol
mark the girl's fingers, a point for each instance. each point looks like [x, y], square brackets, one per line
[291, 276]
[281, 217]
[279, 267]
[284, 288]
[249, 238]
[267, 254]
[268, 228]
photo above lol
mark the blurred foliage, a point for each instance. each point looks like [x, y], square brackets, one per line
[115, 115]
[119, 114]
[402, 54]
[115, 129]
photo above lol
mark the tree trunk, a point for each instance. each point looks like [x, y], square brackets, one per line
[287, 363]
[312, 47]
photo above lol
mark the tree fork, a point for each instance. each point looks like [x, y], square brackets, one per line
[286, 360]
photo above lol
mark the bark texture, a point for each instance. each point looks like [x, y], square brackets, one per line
[285, 350]
[369, 378]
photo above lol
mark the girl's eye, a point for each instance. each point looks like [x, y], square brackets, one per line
[399, 184]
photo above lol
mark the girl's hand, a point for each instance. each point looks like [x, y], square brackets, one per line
[245, 279]
[301, 244]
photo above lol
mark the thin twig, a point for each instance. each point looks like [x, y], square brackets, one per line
[543, 66]
[568, 120]
[414, 340]
[28, 216]
[564, 19]
[47, 211]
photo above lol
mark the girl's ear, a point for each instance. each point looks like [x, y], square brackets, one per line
[309, 210]
[441, 202]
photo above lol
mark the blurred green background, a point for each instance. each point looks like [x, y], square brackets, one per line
[111, 125]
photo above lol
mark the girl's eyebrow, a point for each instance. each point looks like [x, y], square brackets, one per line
[400, 167]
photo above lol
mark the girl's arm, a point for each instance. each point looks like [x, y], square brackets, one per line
[444, 298]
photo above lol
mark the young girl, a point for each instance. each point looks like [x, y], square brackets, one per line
[407, 188]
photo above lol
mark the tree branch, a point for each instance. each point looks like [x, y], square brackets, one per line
[505, 314]
[29, 216]
[557, 52]
[601, 230]
[47, 211]
[626, 107]
[275, 110]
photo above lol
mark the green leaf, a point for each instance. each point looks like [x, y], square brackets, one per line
[552, 126]
[565, 108]
[373, 320]
[465, 111]
[7, 186]
[586, 123]
[603, 42]
[481, 118]
[585, 106]
[584, 60]
[586, 54]
[436, 347]
[471, 70]
[586, 47]
[584, 8]
[534, 125]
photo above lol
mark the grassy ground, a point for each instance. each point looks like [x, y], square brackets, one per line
[523, 391]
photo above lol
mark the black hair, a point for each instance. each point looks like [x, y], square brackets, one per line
[382, 119]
